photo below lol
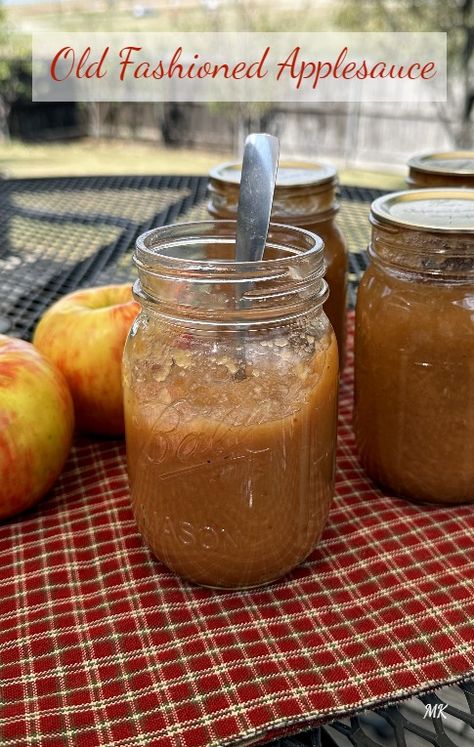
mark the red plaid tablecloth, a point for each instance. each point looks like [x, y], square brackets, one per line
[101, 645]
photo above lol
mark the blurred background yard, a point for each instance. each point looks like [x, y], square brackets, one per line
[369, 143]
[89, 157]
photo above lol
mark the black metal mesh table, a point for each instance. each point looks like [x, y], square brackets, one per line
[61, 234]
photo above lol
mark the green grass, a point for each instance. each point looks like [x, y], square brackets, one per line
[185, 15]
[370, 178]
[88, 157]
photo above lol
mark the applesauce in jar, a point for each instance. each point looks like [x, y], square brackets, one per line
[449, 169]
[230, 384]
[414, 346]
[305, 196]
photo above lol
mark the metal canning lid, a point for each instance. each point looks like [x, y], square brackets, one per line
[290, 173]
[438, 210]
[459, 162]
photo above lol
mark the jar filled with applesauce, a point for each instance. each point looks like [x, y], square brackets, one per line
[230, 389]
[450, 169]
[305, 196]
[414, 346]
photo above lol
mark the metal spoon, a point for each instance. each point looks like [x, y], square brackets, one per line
[257, 187]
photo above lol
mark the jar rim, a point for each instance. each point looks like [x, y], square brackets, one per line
[399, 208]
[177, 233]
[227, 292]
[432, 163]
[316, 174]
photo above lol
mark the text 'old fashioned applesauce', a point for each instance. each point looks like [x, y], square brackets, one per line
[447, 169]
[305, 196]
[230, 380]
[414, 348]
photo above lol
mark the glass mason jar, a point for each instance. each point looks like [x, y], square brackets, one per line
[414, 346]
[230, 387]
[451, 169]
[305, 196]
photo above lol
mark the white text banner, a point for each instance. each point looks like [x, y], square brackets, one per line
[239, 66]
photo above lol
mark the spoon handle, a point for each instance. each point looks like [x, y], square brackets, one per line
[257, 186]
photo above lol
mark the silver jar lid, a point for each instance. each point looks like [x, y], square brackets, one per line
[456, 162]
[437, 210]
[290, 174]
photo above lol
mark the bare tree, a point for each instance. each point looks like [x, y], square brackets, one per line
[456, 17]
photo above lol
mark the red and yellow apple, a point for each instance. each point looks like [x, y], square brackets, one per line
[36, 425]
[84, 334]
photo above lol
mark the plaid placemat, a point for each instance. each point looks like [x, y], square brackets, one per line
[101, 645]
